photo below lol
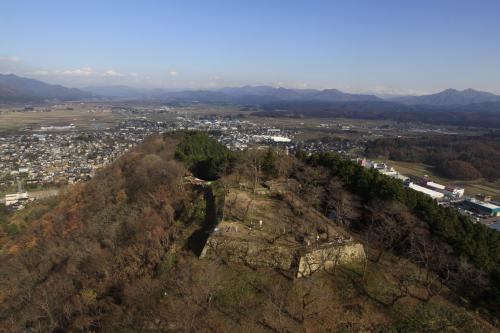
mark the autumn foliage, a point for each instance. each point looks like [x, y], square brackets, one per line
[71, 269]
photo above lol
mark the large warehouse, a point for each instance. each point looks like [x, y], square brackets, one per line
[433, 194]
[481, 207]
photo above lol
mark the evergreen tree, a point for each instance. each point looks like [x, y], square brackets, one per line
[269, 164]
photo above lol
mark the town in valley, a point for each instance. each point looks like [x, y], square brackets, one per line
[36, 160]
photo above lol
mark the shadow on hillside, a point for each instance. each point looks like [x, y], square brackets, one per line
[197, 240]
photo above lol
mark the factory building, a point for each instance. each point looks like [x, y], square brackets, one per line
[481, 207]
[435, 186]
[433, 194]
[449, 191]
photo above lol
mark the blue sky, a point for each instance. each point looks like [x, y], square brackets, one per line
[360, 46]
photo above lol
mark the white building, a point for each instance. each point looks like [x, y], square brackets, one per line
[454, 192]
[389, 172]
[280, 139]
[433, 194]
[435, 186]
[400, 177]
[11, 199]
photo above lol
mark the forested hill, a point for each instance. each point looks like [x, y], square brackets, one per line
[456, 242]
[120, 253]
[455, 157]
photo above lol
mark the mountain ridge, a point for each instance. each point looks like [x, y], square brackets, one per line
[14, 88]
[449, 97]
[267, 94]
[262, 94]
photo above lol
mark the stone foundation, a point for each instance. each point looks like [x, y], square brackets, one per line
[250, 253]
[257, 254]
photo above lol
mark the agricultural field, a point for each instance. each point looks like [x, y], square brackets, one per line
[80, 117]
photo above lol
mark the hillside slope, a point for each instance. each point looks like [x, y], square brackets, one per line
[120, 253]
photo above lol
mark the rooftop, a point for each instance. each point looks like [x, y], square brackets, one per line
[484, 204]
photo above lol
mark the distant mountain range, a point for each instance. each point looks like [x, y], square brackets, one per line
[18, 89]
[449, 97]
[264, 94]
[121, 91]
[267, 94]
[237, 95]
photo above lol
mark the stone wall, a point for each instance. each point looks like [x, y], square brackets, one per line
[250, 253]
[256, 254]
[328, 258]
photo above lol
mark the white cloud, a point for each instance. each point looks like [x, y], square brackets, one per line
[85, 71]
[111, 72]
[13, 59]
[41, 73]
[173, 73]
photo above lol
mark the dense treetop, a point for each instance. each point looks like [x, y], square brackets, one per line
[205, 156]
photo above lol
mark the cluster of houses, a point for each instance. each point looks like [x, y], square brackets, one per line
[237, 134]
[340, 146]
[45, 158]
[40, 159]
[65, 155]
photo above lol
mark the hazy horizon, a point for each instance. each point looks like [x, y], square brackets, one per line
[383, 48]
